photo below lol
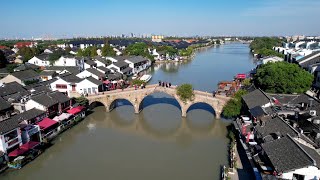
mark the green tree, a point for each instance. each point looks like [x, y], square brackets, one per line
[56, 55]
[27, 53]
[246, 82]
[185, 92]
[10, 67]
[107, 50]
[3, 60]
[186, 52]
[264, 45]
[93, 52]
[137, 82]
[82, 101]
[233, 106]
[283, 77]
[137, 49]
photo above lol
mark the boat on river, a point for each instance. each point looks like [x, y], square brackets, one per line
[146, 77]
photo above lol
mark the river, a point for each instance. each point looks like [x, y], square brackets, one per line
[157, 144]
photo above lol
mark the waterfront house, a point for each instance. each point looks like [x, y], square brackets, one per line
[257, 103]
[6, 109]
[292, 160]
[48, 128]
[16, 94]
[90, 85]
[138, 63]
[91, 72]
[85, 43]
[26, 66]
[47, 75]
[45, 103]
[121, 67]
[22, 77]
[40, 60]
[64, 102]
[268, 59]
[65, 83]
[309, 60]
[10, 137]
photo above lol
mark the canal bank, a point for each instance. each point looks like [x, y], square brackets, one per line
[151, 145]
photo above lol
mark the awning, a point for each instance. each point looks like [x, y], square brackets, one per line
[23, 149]
[75, 110]
[46, 123]
[241, 76]
[62, 117]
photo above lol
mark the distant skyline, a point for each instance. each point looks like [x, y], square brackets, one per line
[69, 18]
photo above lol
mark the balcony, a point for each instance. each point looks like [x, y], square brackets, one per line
[12, 142]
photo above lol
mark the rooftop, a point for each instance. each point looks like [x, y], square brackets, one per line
[120, 64]
[286, 155]
[137, 59]
[255, 98]
[95, 72]
[94, 81]
[44, 100]
[24, 75]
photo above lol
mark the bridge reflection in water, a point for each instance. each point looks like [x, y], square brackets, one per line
[182, 130]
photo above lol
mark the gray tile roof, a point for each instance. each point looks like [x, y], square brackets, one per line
[4, 104]
[12, 88]
[59, 96]
[137, 59]
[283, 98]
[103, 60]
[48, 73]
[94, 81]
[120, 58]
[312, 152]
[90, 62]
[43, 57]
[274, 125]
[44, 100]
[115, 76]
[121, 64]
[104, 69]
[71, 69]
[8, 125]
[286, 155]
[71, 78]
[30, 114]
[24, 75]
[26, 66]
[127, 69]
[95, 72]
[255, 98]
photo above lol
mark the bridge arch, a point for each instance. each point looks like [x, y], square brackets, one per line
[95, 103]
[205, 106]
[175, 98]
[113, 103]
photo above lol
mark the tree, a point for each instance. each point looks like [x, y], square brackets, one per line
[246, 82]
[56, 55]
[137, 82]
[107, 50]
[27, 53]
[137, 49]
[283, 77]
[93, 51]
[233, 106]
[82, 101]
[3, 60]
[186, 52]
[263, 46]
[185, 92]
[10, 67]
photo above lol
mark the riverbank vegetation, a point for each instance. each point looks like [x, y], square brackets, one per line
[139, 49]
[137, 82]
[82, 101]
[185, 92]
[186, 52]
[263, 46]
[233, 106]
[282, 77]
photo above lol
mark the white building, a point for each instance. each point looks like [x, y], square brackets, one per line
[65, 84]
[10, 136]
[90, 85]
[138, 63]
[271, 59]
[40, 60]
[70, 61]
[91, 72]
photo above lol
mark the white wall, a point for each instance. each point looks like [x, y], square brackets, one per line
[86, 84]
[32, 104]
[85, 74]
[112, 59]
[4, 145]
[61, 81]
[114, 66]
[38, 62]
[310, 172]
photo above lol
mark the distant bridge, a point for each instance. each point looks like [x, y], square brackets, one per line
[135, 97]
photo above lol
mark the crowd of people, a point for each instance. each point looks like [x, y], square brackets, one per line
[165, 84]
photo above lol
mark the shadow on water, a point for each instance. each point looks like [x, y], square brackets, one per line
[202, 106]
[152, 100]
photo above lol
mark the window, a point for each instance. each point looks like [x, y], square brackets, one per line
[298, 177]
[61, 86]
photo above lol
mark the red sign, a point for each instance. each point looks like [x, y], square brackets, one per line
[241, 76]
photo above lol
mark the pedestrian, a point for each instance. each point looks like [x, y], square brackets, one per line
[135, 87]
[159, 83]
[166, 84]
[214, 93]
[169, 84]
[162, 84]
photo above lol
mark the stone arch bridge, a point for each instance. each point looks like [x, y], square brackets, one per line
[135, 97]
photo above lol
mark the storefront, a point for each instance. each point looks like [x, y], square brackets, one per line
[30, 133]
[49, 128]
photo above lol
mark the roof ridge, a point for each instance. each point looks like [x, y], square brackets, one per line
[309, 156]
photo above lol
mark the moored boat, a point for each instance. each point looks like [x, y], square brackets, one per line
[146, 77]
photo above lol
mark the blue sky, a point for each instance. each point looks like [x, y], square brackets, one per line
[59, 18]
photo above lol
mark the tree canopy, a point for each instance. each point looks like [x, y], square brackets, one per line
[264, 45]
[88, 52]
[185, 92]
[233, 106]
[167, 49]
[56, 55]
[107, 50]
[28, 52]
[283, 77]
[186, 52]
[3, 60]
[139, 49]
